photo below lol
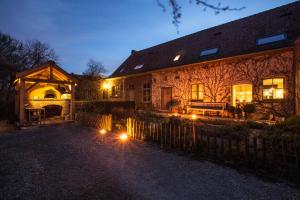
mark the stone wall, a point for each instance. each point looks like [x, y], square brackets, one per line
[219, 76]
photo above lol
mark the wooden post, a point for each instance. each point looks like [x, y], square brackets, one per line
[72, 105]
[22, 99]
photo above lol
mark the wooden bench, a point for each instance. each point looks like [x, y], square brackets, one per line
[202, 107]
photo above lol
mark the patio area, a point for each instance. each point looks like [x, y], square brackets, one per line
[69, 161]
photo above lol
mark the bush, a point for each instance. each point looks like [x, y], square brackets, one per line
[238, 111]
[173, 104]
[230, 109]
[249, 108]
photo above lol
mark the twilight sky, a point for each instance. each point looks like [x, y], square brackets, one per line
[107, 30]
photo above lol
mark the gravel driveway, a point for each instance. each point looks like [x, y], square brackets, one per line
[71, 162]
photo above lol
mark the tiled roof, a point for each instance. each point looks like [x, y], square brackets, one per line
[231, 39]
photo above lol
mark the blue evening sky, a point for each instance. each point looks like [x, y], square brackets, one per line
[107, 30]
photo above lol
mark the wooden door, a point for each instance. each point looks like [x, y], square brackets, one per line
[166, 96]
[131, 95]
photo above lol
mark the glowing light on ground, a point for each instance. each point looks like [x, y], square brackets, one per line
[123, 137]
[194, 117]
[102, 131]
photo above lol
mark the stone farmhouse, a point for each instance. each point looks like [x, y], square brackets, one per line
[251, 60]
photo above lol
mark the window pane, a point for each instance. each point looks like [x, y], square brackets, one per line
[194, 88]
[194, 95]
[278, 94]
[267, 82]
[278, 83]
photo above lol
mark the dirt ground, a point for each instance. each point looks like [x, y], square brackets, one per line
[68, 161]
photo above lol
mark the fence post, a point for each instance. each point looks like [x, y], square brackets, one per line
[255, 149]
[179, 137]
[264, 149]
[247, 149]
[184, 138]
[297, 154]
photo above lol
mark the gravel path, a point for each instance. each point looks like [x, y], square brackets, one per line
[71, 162]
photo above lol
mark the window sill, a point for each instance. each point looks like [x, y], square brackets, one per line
[273, 100]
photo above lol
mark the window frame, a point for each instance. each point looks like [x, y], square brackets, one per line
[116, 91]
[272, 99]
[197, 99]
[146, 92]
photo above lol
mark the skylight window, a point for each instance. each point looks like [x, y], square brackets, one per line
[271, 39]
[138, 66]
[122, 70]
[176, 58]
[209, 52]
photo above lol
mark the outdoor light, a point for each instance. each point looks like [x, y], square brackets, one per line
[106, 86]
[194, 117]
[102, 131]
[123, 137]
[175, 114]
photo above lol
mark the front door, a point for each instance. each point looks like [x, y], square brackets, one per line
[166, 96]
[131, 95]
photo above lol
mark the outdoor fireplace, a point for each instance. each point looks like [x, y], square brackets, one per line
[53, 110]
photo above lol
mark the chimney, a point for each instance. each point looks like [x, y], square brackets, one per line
[133, 51]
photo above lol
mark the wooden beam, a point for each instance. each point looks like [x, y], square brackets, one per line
[22, 99]
[47, 81]
[72, 103]
[31, 86]
[51, 72]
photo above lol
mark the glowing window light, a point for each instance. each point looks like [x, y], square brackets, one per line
[176, 58]
[138, 66]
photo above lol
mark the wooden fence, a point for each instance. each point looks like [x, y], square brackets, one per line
[95, 120]
[278, 155]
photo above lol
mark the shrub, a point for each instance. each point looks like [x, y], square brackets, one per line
[249, 108]
[238, 111]
[173, 104]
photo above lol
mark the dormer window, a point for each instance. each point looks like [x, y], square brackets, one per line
[176, 58]
[271, 39]
[138, 66]
[209, 52]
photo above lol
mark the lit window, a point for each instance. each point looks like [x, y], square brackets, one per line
[176, 58]
[209, 52]
[116, 91]
[271, 39]
[138, 66]
[147, 92]
[197, 92]
[273, 88]
[241, 94]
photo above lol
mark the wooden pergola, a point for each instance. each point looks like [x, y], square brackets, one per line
[48, 73]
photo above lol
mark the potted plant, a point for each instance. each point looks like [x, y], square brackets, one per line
[238, 112]
[249, 109]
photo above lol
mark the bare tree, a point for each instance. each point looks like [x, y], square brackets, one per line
[204, 4]
[15, 56]
[94, 69]
[37, 53]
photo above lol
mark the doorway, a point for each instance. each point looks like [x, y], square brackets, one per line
[166, 96]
